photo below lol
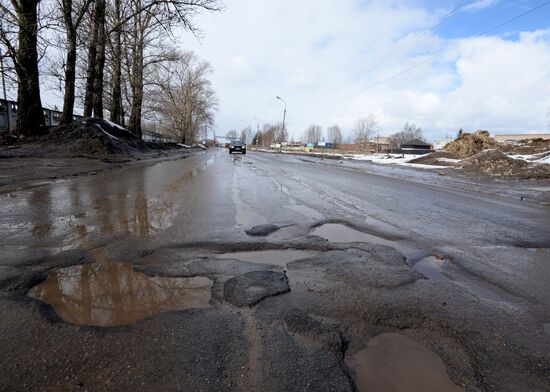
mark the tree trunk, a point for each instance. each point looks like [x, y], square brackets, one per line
[134, 124]
[116, 105]
[98, 34]
[99, 66]
[70, 71]
[30, 116]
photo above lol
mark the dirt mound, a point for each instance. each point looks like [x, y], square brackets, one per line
[495, 163]
[469, 144]
[91, 137]
[440, 158]
[529, 146]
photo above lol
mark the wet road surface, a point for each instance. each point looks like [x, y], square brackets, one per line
[143, 278]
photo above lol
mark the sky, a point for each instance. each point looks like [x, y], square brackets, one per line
[402, 60]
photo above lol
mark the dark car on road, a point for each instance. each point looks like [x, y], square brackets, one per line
[237, 146]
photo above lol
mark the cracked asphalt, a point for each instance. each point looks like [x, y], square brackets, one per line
[337, 254]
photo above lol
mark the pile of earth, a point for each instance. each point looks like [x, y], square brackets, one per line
[438, 158]
[529, 146]
[91, 137]
[469, 144]
[496, 163]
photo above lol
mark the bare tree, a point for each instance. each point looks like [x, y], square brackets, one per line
[73, 15]
[409, 133]
[313, 134]
[231, 135]
[19, 35]
[185, 98]
[334, 134]
[364, 129]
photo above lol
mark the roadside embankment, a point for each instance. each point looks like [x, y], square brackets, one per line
[84, 147]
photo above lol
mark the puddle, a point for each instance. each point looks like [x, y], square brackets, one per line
[480, 291]
[393, 362]
[336, 232]
[276, 257]
[546, 328]
[111, 294]
[432, 268]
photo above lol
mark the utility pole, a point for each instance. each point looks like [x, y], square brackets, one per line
[284, 118]
[4, 88]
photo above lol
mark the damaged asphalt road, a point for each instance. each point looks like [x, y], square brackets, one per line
[342, 268]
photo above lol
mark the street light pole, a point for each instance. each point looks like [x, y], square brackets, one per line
[284, 118]
[257, 131]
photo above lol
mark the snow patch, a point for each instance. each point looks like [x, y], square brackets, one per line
[106, 133]
[115, 125]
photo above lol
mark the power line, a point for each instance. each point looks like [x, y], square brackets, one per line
[431, 58]
[415, 38]
[452, 48]
[403, 45]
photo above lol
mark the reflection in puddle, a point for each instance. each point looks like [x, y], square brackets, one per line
[276, 257]
[140, 200]
[393, 362]
[546, 328]
[110, 294]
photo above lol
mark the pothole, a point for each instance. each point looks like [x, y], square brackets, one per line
[432, 268]
[270, 257]
[339, 233]
[393, 362]
[112, 294]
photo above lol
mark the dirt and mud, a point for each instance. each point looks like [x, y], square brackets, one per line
[341, 297]
[85, 147]
[496, 163]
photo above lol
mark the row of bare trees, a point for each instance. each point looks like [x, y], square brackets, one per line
[115, 43]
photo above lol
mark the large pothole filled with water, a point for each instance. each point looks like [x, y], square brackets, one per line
[269, 257]
[394, 362]
[113, 294]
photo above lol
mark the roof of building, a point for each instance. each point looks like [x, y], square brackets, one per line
[416, 142]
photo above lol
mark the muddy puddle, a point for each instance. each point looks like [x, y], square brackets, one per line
[396, 363]
[270, 257]
[112, 294]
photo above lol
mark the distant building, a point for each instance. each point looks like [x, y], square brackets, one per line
[378, 144]
[521, 136]
[416, 146]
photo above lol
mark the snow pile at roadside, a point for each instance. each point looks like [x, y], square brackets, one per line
[545, 159]
[407, 160]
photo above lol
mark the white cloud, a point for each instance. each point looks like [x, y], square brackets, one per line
[481, 4]
[310, 51]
